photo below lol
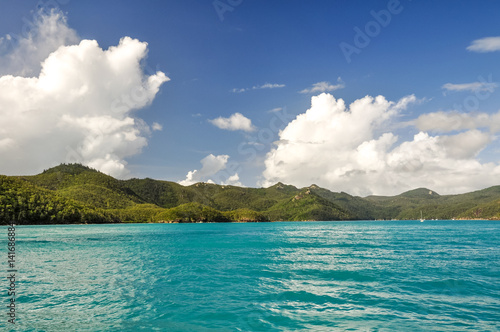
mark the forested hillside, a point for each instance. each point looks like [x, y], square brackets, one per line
[77, 194]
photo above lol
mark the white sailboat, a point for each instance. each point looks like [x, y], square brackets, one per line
[421, 217]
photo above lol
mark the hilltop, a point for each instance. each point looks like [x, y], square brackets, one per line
[73, 193]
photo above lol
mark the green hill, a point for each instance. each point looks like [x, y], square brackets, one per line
[434, 206]
[403, 206]
[358, 207]
[26, 203]
[72, 193]
[307, 205]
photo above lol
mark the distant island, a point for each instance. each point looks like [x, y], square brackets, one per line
[73, 193]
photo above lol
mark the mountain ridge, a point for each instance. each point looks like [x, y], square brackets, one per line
[85, 195]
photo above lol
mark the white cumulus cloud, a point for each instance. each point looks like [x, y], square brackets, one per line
[483, 45]
[233, 180]
[456, 121]
[79, 107]
[211, 166]
[345, 148]
[25, 53]
[237, 121]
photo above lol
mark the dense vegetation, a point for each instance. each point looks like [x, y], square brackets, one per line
[22, 202]
[77, 194]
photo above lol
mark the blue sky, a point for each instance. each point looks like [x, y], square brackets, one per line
[257, 59]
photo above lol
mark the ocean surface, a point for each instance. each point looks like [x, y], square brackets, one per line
[284, 276]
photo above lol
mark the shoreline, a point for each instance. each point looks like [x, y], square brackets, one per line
[254, 222]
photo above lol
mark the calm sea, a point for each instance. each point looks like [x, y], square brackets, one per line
[310, 276]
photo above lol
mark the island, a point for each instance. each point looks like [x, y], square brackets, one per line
[76, 194]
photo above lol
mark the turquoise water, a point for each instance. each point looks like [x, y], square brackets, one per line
[311, 276]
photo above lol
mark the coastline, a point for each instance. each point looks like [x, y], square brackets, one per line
[245, 222]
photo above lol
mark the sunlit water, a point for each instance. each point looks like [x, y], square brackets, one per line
[317, 276]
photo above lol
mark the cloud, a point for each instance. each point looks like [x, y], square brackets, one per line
[24, 54]
[324, 87]
[472, 87]
[456, 121]
[79, 107]
[483, 45]
[156, 126]
[347, 148]
[233, 180]
[235, 90]
[237, 121]
[259, 87]
[268, 86]
[275, 110]
[211, 166]
[465, 145]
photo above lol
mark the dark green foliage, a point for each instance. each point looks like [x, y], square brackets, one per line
[420, 193]
[71, 175]
[245, 215]
[487, 210]
[138, 213]
[359, 207]
[306, 205]
[98, 196]
[77, 194]
[191, 212]
[433, 206]
[162, 193]
[24, 203]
